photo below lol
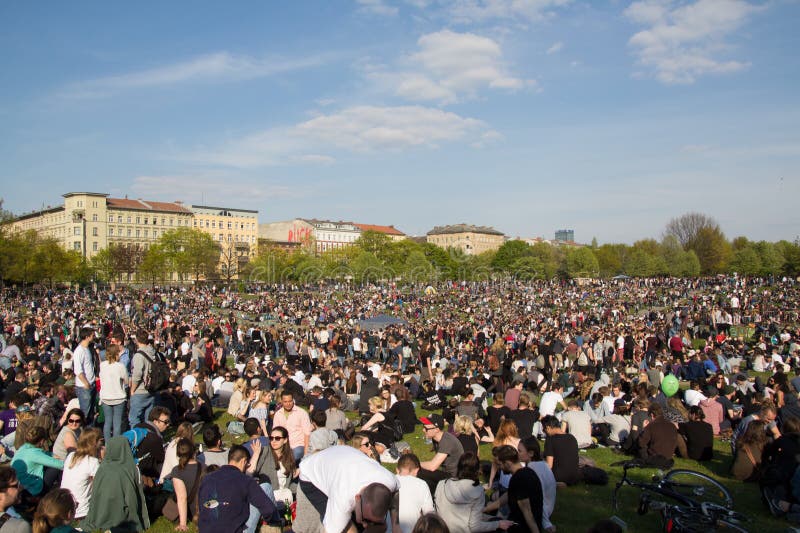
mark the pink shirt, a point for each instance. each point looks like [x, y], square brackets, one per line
[714, 412]
[297, 423]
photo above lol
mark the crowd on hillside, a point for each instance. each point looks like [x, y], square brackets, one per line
[106, 392]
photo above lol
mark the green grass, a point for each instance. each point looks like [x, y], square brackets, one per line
[580, 506]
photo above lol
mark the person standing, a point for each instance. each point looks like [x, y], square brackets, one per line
[297, 423]
[142, 400]
[113, 379]
[84, 364]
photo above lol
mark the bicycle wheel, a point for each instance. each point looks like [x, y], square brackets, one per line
[698, 487]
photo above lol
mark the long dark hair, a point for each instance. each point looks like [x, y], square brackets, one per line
[469, 468]
[185, 451]
[287, 457]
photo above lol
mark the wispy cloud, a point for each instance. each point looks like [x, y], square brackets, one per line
[449, 67]
[360, 129]
[555, 48]
[682, 41]
[377, 7]
[476, 11]
[217, 67]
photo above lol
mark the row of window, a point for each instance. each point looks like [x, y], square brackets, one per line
[206, 223]
[337, 238]
[238, 238]
[129, 219]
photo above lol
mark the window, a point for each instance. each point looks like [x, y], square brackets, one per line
[129, 232]
[138, 233]
[76, 230]
[194, 224]
[214, 224]
[155, 233]
[206, 223]
[138, 220]
[80, 203]
[94, 204]
[111, 218]
[94, 232]
[145, 234]
[229, 237]
[94, 246]
[171, 220]
[220, 237]
[119, 219]
[110, 232]
[163, 221]
[76, 245]
[230, 226]
[145, 220]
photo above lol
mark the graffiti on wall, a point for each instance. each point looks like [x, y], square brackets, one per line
[299, 234]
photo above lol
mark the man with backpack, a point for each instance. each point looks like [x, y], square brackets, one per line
[146, 377]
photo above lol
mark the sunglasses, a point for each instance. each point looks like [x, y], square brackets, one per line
[74, 420]
[165, 422]
[275, 438]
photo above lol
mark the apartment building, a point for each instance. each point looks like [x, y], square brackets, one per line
[472, 240]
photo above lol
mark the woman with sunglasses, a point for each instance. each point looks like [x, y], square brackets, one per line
[280, 465]
[67, 440]
[80, 468]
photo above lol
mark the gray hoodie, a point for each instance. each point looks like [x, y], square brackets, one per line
[460, 503]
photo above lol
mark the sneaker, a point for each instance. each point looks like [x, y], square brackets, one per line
[775, 508]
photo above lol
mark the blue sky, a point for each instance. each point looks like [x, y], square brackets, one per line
[527, 115]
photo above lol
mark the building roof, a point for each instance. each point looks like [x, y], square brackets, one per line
[142, 205]
[388, 230]
[214, 208]
[463, 228]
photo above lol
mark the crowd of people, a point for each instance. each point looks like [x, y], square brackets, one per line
[529, 374]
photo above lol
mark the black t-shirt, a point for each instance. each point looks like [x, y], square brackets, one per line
[524, 485]
[524, 419]
[494, 416]
[468, 442]
[563, 447]
[699, 439]
[726, 405]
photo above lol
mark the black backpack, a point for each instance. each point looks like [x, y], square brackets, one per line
[158, 377]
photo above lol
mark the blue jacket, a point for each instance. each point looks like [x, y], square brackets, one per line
[224, 500]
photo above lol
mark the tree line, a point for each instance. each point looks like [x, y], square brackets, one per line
[691, 245]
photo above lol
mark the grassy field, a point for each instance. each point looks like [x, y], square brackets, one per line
[580, 506]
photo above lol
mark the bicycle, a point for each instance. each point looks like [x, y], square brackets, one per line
[702, 504]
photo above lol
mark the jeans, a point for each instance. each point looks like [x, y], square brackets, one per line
[140, 407]
[255, 515]
[87, 398]
[112, 426]
[298, 453]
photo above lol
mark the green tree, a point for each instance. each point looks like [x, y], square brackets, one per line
[527, 268]
[771, 256]
[745, 261]
[155, 265]
[581, 263]
[418, 269]
[549, 256]
[610, 258]
[367, 268]
[509, 253]
[712, 249]
[190, 251]
[374, 242]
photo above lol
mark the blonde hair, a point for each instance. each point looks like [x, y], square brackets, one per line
[463, 425]
[376, 402]
[240, 385]
[87, 445]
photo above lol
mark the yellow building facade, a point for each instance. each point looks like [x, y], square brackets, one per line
[472, 240]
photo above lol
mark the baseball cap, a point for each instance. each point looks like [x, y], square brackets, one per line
[433, 420]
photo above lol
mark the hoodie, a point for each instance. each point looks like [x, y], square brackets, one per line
[460, 503]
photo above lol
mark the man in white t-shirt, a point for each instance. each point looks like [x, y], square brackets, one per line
[341, 487]
[415, 496]
[85, 374]
[550, 400]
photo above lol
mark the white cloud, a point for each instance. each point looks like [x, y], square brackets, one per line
[555, 48]
[354, 129]
[682, 40]
[377, 7]
[217, 67]
[472, 11]
[449, 67]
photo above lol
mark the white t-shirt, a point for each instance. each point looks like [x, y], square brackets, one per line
[340, 472]
[187, 384]
[78, 480]
[548, 403]
[82, 362]
[112, 382]
[415, 500]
